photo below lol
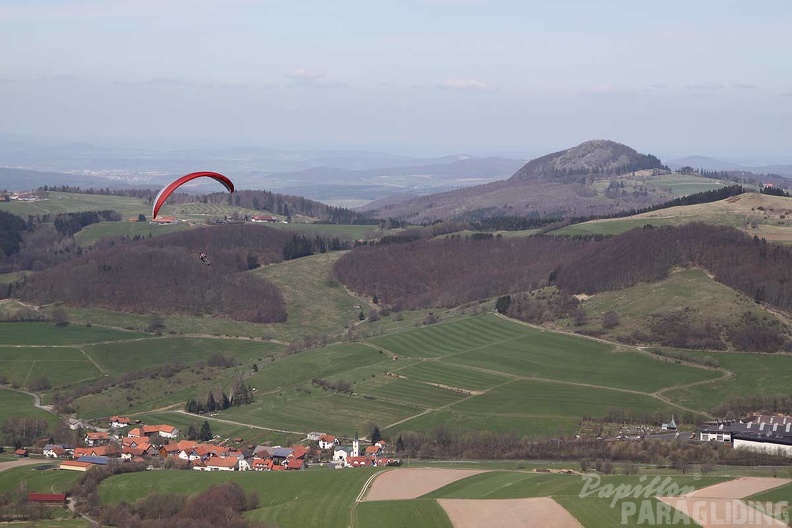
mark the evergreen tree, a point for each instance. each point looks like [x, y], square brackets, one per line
[225, 403]
[399, 445]
[376, 435]
[211, 404]
[192, 432]
[206, 432]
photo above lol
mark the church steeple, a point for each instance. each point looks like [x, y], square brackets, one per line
[356, 445]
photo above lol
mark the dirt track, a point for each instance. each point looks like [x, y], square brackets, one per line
[740, 488]
[21, 462]
[410, 483]
[507, 513]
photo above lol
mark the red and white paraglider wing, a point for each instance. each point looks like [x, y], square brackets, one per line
[168, 189]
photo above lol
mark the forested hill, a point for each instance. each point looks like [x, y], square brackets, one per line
[593, 158]
[164, 275]
[450, 272]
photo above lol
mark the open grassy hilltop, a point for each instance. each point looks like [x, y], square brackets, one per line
[763, 215]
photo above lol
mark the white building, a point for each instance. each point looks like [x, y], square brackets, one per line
[771, 445]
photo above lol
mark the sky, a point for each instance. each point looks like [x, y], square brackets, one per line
[710, 77]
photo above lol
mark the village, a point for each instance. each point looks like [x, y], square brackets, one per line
[162, 447]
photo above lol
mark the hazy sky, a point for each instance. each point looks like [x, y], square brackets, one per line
[706, 77]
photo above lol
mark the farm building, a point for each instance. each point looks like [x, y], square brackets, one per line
[97, 438]
[74, 465]
[724, 431]
[327, 441]
[50, 499]
[771, 445]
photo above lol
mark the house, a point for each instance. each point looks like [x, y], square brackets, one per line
[243, 465]
[340, 455]
[164, 220]
[129, 453]
[135, 433]
[75, 424]
[49, 499]
[372, 450]
[295, 463]
[222, 464]
[118, 422]
[21, 452]
[261, 464]
[263, 218]
[670, 426]
[162, 430]
[314, 436]
[358, 461]
[327, 441]
[98, 438]
[101, 451]
[55, 451]
[74, 465]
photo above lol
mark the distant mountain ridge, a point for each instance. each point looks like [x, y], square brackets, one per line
[557, 184]
[715, 164]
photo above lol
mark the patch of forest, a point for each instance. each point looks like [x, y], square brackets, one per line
[164, 275]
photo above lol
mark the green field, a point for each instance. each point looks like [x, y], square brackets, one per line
[47, 481]
[754, 374]
[120, 357]
[17, 404]
[523, 398]
[713, 301]
[90, 234]
[315, 304]
[419, 513]
[49, 334]
[321, 497]
[60, 202]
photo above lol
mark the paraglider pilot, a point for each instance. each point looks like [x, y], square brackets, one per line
[205, 259]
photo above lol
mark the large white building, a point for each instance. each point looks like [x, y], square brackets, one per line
[771, 445]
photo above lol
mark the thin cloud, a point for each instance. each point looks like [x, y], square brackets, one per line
[744, 86]
[704, 87]
[467, 85]
[603, 89]
[26, 79]
[189, 83]
[308, 77]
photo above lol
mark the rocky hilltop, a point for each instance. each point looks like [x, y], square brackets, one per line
[598, 157]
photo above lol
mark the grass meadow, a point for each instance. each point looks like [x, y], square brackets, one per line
[46, 481]
[754, 374]
[293, 499]
[14, 403]
[418, 513]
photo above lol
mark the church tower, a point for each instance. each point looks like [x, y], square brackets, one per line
[356, 445]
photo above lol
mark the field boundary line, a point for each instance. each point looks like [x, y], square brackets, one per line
[359, 498]
[95, 364]
[32, 365]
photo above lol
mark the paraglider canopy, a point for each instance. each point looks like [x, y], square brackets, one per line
[168, 189]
